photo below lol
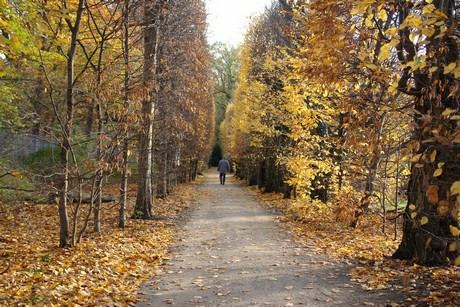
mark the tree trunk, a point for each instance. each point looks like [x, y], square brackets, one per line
[99, 172]
[124, 166]
[67, 130]
[430, 212]
[144, 199]
[432, 209]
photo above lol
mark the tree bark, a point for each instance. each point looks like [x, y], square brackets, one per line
[144, 199]
[431, 208]
[124, 166]
[67, 130]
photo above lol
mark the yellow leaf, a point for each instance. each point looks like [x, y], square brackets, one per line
[433, 156]
[384, 53]
[392, 31]
[383, 15]
[371, 66]
[449, 68]
[455, 188]
[413, 215]
[416, 22]
[428, 32]
[416, 158]
[16, 174]
[14, 42]
[413, 145]
[424, 220]
[437, 172]
[412, 207]
[453, 247]
[448, 111]
[454, 231]
[457, 261]
[368, 22]
[440, 14]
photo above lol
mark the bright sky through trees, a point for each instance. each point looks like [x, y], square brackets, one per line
[228, 19]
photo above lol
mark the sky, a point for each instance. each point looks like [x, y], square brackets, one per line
[228, 19]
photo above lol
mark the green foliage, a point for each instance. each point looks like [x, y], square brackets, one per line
[216, 155]
[14, 185]
[44, 161]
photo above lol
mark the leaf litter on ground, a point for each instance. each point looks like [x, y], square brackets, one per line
[106, 268]
[368, 250]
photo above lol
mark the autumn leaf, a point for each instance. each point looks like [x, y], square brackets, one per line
[432, 194]
[457, 261]
[416, 158]
[424, 220]
[433, 156]
[443, 208]
[454, 230]
[449, 68]
[455, 188]
[454, 246]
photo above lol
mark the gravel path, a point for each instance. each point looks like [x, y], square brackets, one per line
[235, 253]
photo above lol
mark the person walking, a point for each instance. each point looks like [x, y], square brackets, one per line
[223, 167]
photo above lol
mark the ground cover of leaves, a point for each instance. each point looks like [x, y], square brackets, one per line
[369, 252]
[107, 268]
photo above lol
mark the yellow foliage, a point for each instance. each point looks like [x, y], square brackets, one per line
[454, 231]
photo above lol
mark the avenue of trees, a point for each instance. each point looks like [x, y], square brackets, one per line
[353, 107]
[123, 89]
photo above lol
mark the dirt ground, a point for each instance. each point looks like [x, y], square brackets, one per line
[234, 252]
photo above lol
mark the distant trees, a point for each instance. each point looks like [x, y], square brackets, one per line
[96, 74]
[225, 69]
[255, 124]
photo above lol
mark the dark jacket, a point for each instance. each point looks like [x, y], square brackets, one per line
[223, 167]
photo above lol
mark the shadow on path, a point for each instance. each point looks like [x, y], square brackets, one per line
[234, 253]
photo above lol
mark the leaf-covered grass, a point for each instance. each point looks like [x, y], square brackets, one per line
[106, 268]
[369, 251]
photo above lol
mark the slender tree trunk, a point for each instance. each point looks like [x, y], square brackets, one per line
[124, 167]
[67, 131]
[99, 172]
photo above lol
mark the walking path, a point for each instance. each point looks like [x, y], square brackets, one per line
[234, 253]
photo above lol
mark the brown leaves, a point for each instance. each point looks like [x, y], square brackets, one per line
[432, 194]
[105, 269]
